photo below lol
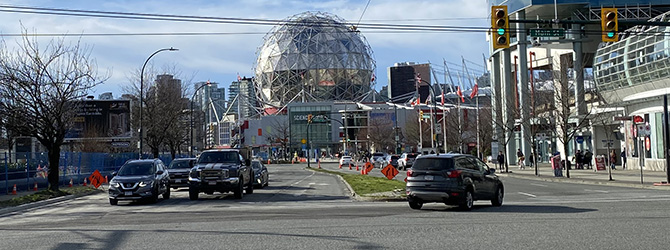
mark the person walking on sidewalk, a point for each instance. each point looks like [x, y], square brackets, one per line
[579, 159]
[613, 159]
[521, 158]
[623, 158]
[501, 161]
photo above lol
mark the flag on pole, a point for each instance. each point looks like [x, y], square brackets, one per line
[460, 94]
[442, 101]
[418, 79]
[475, 90]
[373, 78]
[238, 77]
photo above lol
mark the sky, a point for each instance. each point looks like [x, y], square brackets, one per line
[221, 57]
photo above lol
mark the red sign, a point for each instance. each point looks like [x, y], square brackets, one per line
[600, 163]
[389, 171]
[369, 167]
[638, 119]
[96, 179]
[260, 132]
[647, 143]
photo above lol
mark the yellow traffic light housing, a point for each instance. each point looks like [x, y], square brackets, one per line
[609, 22]
[500, 27]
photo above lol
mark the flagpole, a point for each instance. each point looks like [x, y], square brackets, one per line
[417, 78]
[432, 132]
[479, 152]
[458, 108]
[444, 120]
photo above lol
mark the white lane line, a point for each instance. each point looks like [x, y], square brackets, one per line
[537, 184]
[527, 194]
[597, 191]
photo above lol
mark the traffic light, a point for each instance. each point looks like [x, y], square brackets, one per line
[609, 23]
[500, 27]
[309, 118]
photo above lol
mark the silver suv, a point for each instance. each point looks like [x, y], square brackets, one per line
[406, 160]
[453, 179]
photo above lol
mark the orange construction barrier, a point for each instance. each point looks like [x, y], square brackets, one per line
[35, 187]
[70, 183]
[84, 182]
[14, 190]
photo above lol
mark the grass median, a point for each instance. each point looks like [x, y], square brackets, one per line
[47, 194]
[366, 185]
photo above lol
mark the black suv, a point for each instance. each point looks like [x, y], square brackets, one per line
[454, 179]
[179, 169]
[139, 179]
[221, 170]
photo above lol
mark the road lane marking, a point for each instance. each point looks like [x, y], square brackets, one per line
[527, 194]
[597, 191]
[537, 184]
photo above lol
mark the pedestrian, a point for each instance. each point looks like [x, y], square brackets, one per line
[501, 160]
[521, 159]
[623, 158]
[588, 157]
[613, 159]
[579, 159]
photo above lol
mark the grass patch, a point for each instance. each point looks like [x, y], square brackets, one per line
[365, 184]
[47, 194]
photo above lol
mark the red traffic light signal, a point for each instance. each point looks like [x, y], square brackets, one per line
[638, 119]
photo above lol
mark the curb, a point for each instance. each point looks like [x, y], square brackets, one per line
[584, 181]
[358, 197]
[8, 210]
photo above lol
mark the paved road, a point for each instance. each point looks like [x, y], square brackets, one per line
[306, 210]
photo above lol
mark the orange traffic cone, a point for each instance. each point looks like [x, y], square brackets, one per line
[106, 180]
[319, 164]
[349, 166]
[357, 169]
[14, 190]
[84, 182]
[70, 183]
[340, 166]
[35, 187]
[268, 161]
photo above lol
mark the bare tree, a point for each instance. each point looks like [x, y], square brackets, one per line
[280, 134]
[42, 87]
[381, 133]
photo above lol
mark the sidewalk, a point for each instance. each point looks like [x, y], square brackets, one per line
[627, 178]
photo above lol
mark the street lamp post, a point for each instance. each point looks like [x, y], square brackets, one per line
[190, 140]
[142, 92]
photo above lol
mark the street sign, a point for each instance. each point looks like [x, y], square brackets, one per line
[622, 118]
[638, 119]
[96, 179]
[579, 139]
[547, 32]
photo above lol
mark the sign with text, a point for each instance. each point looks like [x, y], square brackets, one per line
[101, 119]
[547, 32]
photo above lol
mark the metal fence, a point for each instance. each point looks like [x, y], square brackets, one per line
[26, 169]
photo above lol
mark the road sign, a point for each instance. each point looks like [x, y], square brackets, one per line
[547, 32]
[622, 118]
[638, 119]
[579, 139]
[369, 167]
[390, 171]
[303, 141]
[96, 178]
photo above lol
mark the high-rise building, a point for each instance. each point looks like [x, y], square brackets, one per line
[248, 101]
[406, 79]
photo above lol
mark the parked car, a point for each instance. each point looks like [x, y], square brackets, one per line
[391, 159]
[178, 170]
[406, 160]
[455, 179]
[346, 160]
[261, 175]
[221, 170]
[139, 179]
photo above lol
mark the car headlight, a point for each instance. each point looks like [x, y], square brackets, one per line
[194, 173]
[145, 183]
[114, 183]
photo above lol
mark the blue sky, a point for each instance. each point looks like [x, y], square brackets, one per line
[219, 58]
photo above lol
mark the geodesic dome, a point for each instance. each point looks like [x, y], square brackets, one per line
[316, 53]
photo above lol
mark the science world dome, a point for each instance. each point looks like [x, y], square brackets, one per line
[315, 55]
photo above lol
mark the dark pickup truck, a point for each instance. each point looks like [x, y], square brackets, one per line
[221, 170]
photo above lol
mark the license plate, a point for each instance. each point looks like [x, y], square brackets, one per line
[212, 182]
[428, 177]
[177, 181]
[127, 193]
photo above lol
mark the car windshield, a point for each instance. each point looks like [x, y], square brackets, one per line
[346, 157]
[177, 164]
[411, 155]
[256, 165]
[219, 157]
[433, 164]
[136, 168]
[395, 157]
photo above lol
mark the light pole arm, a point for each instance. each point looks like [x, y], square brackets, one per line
[190, 140]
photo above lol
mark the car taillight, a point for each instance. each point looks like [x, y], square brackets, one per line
[453, 173]
[409, 172]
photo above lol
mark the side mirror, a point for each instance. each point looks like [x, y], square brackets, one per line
[247, 162]
[492, 170]
[159, 172]
[114, 173]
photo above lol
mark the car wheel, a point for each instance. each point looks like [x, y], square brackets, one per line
[250, 188]
[468, 201]
[415, 205]
[154, 196]
[166, 195]
[238, 192]
[113, 202]
[498, 198]
[193, 193]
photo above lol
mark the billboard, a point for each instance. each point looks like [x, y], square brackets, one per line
[102, 119]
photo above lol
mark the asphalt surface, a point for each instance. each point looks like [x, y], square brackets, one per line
[303, 209]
